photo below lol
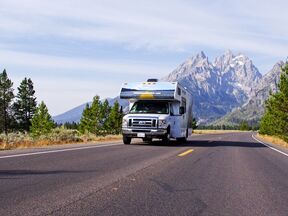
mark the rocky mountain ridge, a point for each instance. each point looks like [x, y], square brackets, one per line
[225, 91]
[218, 87]
[254, 108]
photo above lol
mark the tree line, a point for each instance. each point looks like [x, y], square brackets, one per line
[242, 126]
[100, 118]
[21, 113]
[275, 119]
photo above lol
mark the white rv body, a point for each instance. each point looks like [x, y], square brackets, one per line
[156, 110]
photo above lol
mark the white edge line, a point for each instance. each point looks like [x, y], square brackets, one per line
[54, 151]
[269, 146]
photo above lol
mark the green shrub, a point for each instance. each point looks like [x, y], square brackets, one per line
[64, 135]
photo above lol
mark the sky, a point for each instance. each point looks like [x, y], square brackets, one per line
[75, 49]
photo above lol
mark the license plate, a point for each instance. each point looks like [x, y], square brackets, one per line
[142, 135]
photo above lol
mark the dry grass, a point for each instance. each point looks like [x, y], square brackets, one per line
[273, 139]
[214, 131]
[58, 136]
[92, 138]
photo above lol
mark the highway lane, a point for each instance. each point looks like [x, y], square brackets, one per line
[224, 174]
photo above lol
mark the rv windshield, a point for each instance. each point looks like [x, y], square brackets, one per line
[159, 107]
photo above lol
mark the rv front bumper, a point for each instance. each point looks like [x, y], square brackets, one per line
[144, 133]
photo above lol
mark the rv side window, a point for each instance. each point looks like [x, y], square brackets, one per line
[171, 110]
[184, 103]
[179, 91]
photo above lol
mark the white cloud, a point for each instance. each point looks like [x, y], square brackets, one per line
[126, 68]
[175, 26]
[171, 25]
[64, 82]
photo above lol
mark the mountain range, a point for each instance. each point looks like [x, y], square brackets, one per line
[225, 91]
[253, 109]
[74, 115]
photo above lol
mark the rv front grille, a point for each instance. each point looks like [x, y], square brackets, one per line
[141, 131]
[144, 123]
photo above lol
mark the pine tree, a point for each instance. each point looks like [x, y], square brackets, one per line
[25, 104]
[275, 119]
[84, 125]
[115, 119]
[42, 122]
[91, 120]
[244, 126]
[96, 116]
[105, 111]
[6, 97]
[71, 125]
[194, 124]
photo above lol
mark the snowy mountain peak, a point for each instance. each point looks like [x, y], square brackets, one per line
[222, 61]
[193, 67]
[232, 82]
[229, 82]
[201, 55]
[228, 55]
[198, 60]
[272, 77]
[238, 69]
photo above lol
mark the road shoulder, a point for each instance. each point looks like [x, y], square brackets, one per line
[278, 148]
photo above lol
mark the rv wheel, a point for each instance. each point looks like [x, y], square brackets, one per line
[126, 140]
[167, 137]
[182, 140]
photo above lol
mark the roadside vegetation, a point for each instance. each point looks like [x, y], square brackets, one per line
[58, 135]
[273, 139]
[206, 131]
[275, 120]
[243, 126]
[24, 123]
[217, 129]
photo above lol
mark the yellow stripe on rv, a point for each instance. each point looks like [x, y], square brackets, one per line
[146, 95]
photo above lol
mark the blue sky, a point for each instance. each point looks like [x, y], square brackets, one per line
[75, 49]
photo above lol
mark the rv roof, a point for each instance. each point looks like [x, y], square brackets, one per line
[150, 85]
[148, 90]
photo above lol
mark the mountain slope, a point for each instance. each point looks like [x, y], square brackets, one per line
[74, 115]
[219, 87]
[254, 108]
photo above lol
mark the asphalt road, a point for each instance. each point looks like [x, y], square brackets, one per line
[224, 174]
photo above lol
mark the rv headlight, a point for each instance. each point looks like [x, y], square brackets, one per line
[124, 122]
[162, 123]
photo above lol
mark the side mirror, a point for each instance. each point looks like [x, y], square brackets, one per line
[181, 110]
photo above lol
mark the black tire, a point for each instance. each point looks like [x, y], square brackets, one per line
[182, 139]
[126, 140]
[166, 138]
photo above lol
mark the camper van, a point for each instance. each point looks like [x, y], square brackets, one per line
[161, 110]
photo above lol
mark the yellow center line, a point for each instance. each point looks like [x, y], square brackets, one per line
[185, 153]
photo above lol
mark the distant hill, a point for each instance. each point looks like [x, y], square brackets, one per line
[225, 91]
[75, 114]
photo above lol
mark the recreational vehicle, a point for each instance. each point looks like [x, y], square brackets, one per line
[160, 110]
